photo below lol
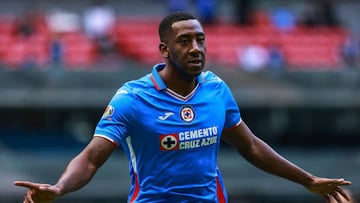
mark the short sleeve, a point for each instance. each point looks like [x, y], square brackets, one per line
[232, 117]
[115, 122]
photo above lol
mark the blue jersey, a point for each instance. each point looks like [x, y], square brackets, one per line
[171, 140]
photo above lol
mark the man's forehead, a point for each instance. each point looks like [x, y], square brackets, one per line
[192, 24]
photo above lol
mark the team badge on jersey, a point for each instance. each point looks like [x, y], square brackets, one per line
[109, 111]
[169, 142]
[187, 113]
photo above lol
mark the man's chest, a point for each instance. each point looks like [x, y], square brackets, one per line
[176, 124]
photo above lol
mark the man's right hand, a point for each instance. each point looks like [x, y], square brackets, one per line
[39, 193]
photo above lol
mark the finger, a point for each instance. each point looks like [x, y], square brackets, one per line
[341, 181]
[328, 198]
[28, 197]
[343, 193]
[27, 184]
[336, 197]
[346, 183]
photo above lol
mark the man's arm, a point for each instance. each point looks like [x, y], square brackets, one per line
[78, 173]
[260, 154]
[83, 167]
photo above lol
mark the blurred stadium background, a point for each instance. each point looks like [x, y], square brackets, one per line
[293, 67]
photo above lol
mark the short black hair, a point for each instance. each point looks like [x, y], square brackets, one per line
[165, 25]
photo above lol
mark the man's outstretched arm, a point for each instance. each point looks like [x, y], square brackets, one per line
[260, 154]
[78, 173]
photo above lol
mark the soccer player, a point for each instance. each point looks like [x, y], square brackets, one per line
[169, 123]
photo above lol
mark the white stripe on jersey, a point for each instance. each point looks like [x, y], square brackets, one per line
[132, 153]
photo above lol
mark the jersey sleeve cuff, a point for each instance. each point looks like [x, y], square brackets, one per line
[234, 126]
[107, 138]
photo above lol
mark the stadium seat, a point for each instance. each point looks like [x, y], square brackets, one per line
[15, 55]
[313, 48]
[139, 39]
[5, 40]
[79, 51]
[23, 53]
[7, 25]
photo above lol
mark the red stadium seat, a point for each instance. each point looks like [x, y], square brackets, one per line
[79, 51]
[15, 54]
[5, 40]
[26, 52]
[311, 49]
[139, 39]
[7, 24]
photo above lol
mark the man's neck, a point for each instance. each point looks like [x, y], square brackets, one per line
[176, 82]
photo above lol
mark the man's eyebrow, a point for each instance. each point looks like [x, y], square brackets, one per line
[189, 35]
[200, 33]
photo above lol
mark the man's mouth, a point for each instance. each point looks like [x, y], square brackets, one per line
[195, 62]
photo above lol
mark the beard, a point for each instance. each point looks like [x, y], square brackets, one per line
[184, 69]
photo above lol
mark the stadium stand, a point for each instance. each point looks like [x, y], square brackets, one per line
[305, 48]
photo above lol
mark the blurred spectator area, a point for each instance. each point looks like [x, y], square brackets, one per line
[304, 48]
[34, 51]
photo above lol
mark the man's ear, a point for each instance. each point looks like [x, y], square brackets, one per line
[163, 50]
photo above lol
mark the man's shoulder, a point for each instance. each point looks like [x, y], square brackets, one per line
[211, 77]
[138, 85]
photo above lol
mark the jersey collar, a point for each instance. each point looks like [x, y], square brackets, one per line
[159, 83]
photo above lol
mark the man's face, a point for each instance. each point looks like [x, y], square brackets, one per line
[187, 47]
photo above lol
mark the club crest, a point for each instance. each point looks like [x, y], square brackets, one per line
[187, 113]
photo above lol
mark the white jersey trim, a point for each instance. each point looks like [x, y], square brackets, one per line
[178, 96]
[107, 138]
[132, 154]
[240, 121]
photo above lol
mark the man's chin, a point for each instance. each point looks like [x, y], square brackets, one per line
[195, 72]
[195, 68]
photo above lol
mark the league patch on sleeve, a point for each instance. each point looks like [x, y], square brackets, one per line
[109, 111]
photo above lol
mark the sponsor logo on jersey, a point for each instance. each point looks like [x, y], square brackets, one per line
[109, 111]
[169, 142]
[187, 113]
[166, 116]
[189, 139]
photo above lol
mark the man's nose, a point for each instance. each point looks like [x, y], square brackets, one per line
[195, 46]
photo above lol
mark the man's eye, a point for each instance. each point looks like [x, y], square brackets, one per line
[185, 41]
